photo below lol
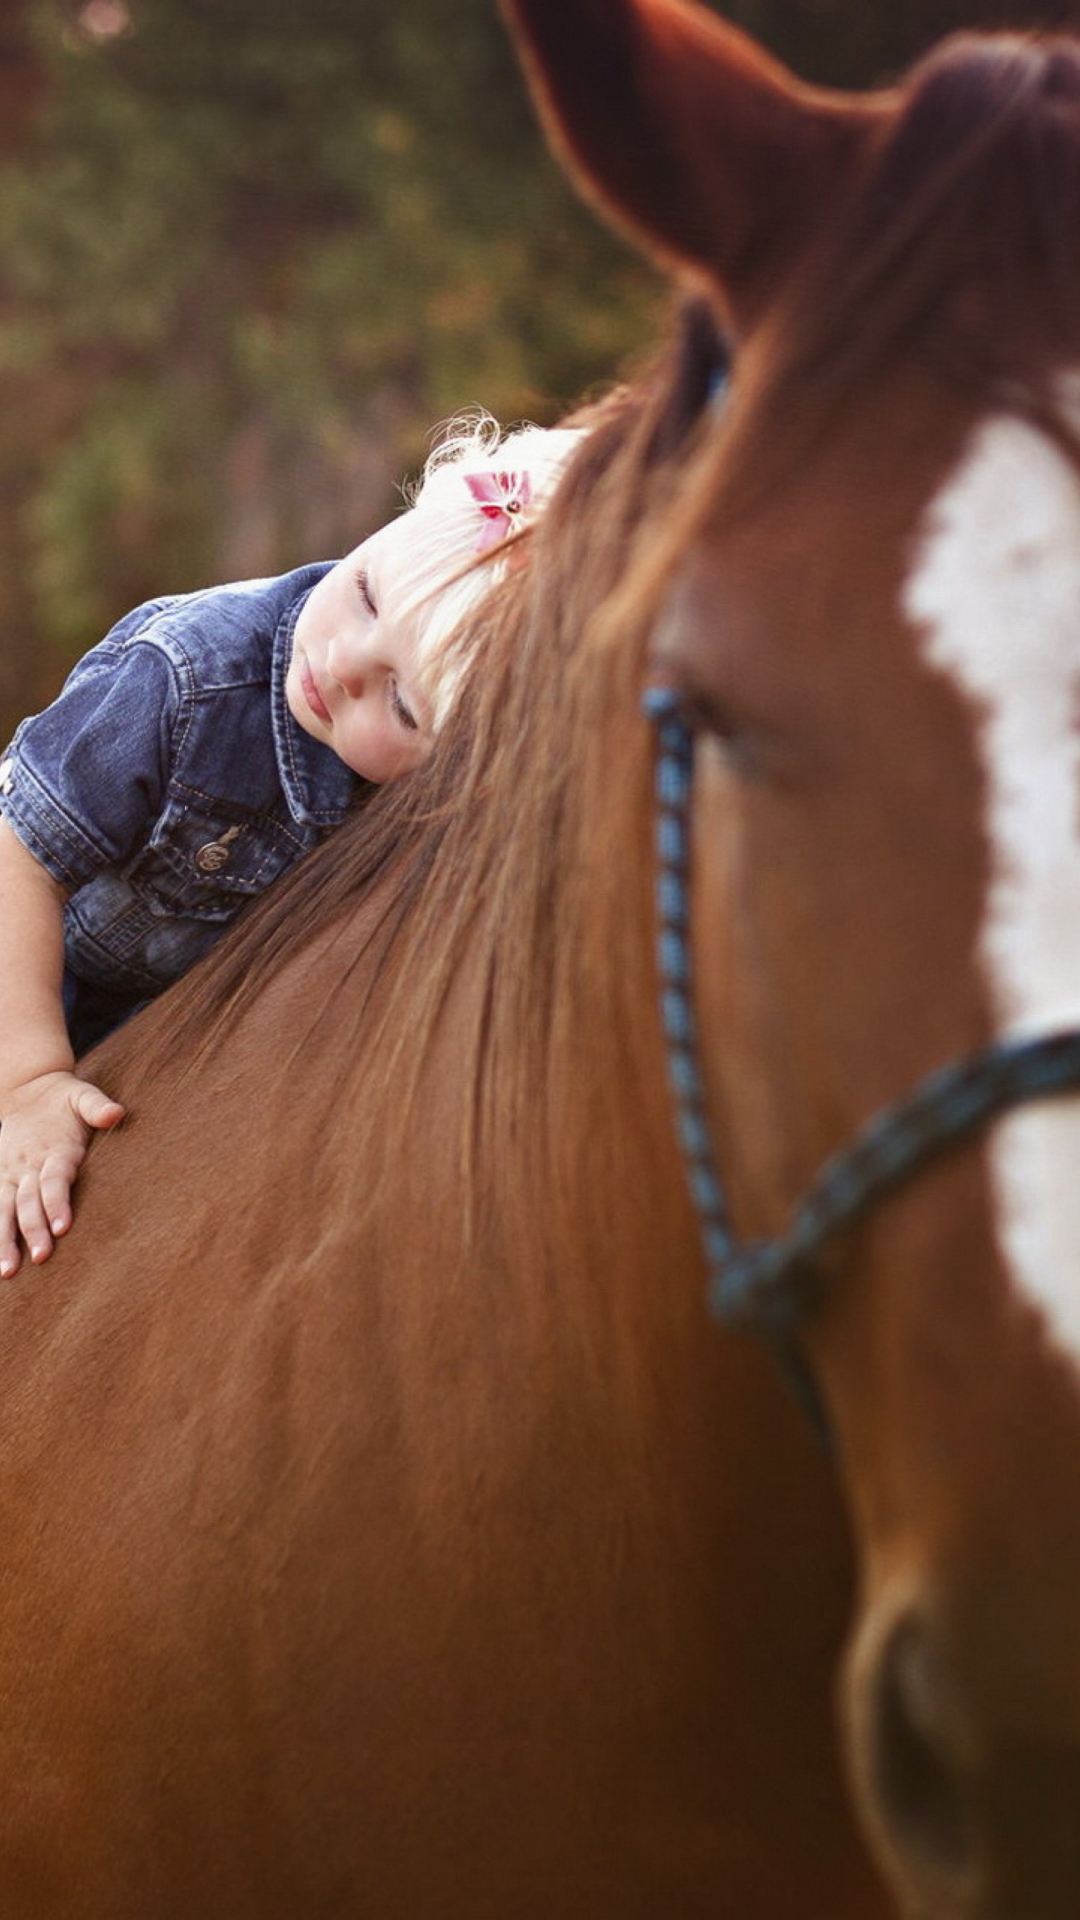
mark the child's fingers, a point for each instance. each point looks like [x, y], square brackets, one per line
[30, 1213]
[56, 1198]
[10, 1256]
[96, 1109]
[44, 1144]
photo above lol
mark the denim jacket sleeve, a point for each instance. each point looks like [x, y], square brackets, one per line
[81, 781]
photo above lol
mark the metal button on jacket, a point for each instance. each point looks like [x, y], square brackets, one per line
[216, 853]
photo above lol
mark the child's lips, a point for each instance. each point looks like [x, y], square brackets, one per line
[311, 693]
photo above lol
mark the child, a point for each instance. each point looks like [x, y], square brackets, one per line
[198, 752]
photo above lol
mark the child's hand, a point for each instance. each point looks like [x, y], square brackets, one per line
[44, 1129]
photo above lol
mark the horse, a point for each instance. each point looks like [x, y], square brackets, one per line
[389, 1527]
[866, 607]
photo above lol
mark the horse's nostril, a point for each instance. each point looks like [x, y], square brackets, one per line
[916, 1782]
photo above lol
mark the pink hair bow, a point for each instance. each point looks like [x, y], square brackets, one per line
[503, 499]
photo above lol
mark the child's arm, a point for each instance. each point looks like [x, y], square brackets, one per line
[46, 1111]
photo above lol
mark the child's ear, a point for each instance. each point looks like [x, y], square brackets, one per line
[691, 135]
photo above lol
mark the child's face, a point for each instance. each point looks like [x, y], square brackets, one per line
[354, 680]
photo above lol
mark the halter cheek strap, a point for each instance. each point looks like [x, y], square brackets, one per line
[768, 1286]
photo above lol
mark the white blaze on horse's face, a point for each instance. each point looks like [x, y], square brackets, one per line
[996, 594]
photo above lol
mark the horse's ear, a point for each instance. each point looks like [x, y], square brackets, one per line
[687, 132]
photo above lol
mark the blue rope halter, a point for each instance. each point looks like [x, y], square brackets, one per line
[767, 1287]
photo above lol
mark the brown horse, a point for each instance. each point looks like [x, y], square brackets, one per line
[387, 1531]
[872, 611]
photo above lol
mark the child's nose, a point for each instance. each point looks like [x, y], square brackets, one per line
[346, 667]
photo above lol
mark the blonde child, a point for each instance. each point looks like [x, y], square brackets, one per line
[193, 756]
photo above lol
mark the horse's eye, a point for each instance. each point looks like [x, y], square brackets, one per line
[712, 719]
[708, 718]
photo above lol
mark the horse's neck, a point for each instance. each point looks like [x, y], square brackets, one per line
[477, 1413]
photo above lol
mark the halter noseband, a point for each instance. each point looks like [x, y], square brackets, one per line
[766, 1287]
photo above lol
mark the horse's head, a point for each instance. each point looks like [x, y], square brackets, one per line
[871, 607]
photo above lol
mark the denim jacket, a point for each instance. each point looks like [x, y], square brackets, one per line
[169, 783]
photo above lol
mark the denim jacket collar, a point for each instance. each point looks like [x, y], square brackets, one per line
[318, 787]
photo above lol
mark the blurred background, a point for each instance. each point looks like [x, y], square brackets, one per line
[252, 250]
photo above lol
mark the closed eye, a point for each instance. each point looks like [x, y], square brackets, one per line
[363, 581]
[400, 710]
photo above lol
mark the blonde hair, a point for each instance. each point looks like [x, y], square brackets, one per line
[446, 575]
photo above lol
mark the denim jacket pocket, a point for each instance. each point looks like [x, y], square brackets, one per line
[205, 861]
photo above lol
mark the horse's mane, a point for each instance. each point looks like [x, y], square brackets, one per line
[964, 236]
[512, 849]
